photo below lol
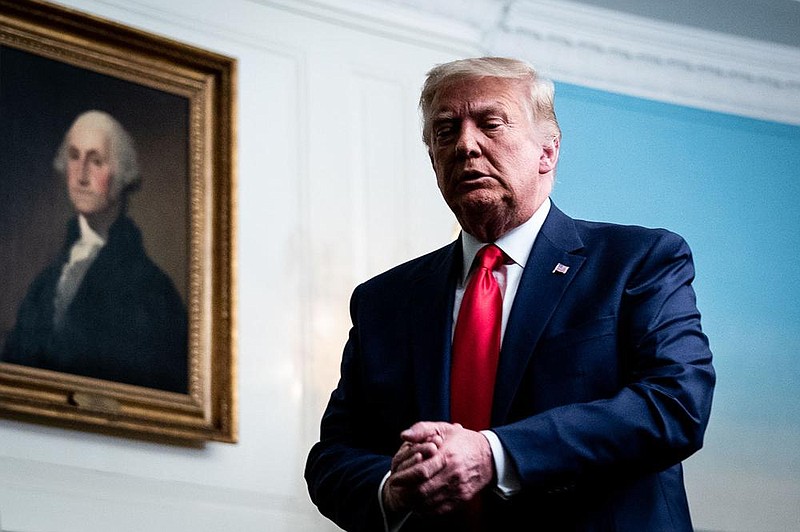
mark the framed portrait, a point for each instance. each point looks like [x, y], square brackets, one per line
[117, 228]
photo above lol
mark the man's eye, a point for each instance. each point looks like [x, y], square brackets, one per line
[443, 132]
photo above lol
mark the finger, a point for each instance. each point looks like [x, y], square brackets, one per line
[415, 454]
[408, 450]
[405, 452]
[427, 449]
[425, 497]
[437, 496]
[443, 507]
[418, 473]
[419, 432]
[425, 431]
[399, 465]
[439, 506]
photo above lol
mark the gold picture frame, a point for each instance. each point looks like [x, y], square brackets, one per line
[178, 104]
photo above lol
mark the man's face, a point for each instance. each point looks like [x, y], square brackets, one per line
[89, 172]
[492, 164]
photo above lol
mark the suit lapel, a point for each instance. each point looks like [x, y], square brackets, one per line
[430, 323]
[538, 295]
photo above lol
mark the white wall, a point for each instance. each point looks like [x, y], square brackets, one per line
[334, 186]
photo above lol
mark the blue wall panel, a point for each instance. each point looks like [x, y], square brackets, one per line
[731, 187]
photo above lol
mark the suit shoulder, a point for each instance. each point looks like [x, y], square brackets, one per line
[623, 236]
[408, 271]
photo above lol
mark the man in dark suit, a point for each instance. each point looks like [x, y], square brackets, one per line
[603, 381]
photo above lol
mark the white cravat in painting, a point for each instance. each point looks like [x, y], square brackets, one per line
[81, 257]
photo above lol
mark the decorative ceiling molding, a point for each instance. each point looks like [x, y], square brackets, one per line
[637, 56]
[395, 19]
[589, 46]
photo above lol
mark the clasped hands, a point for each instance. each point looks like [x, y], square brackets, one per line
[438, 467]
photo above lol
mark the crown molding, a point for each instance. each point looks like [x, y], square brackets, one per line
[395, 19]
[583, 45]
[636, 56]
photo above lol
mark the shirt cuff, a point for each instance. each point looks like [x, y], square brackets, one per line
[508, 482]
[391, 521]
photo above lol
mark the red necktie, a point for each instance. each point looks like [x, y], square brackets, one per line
[476, 344]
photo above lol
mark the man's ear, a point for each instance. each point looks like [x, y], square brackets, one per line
[549, 156]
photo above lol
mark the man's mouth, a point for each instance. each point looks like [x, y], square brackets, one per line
[82, 195]
[472, 175]
[473, 179]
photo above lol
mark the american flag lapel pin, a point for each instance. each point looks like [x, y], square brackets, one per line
[560, 269]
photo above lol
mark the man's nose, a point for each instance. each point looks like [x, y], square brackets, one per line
[83, 173]
[468, 145]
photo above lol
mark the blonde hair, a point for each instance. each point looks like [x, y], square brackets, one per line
[541, 91]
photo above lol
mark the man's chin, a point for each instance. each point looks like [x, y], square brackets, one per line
[479, 201]
[83, 208]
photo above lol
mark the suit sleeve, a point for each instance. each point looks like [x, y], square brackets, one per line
[344, 470]
[658, 415]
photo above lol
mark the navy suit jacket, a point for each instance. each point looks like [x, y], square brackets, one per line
[604, 383]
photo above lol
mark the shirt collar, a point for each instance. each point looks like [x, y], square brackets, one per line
[88, 235]
[516, 244]
[88, 244]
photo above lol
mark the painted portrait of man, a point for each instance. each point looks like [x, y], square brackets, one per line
[96, 234]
